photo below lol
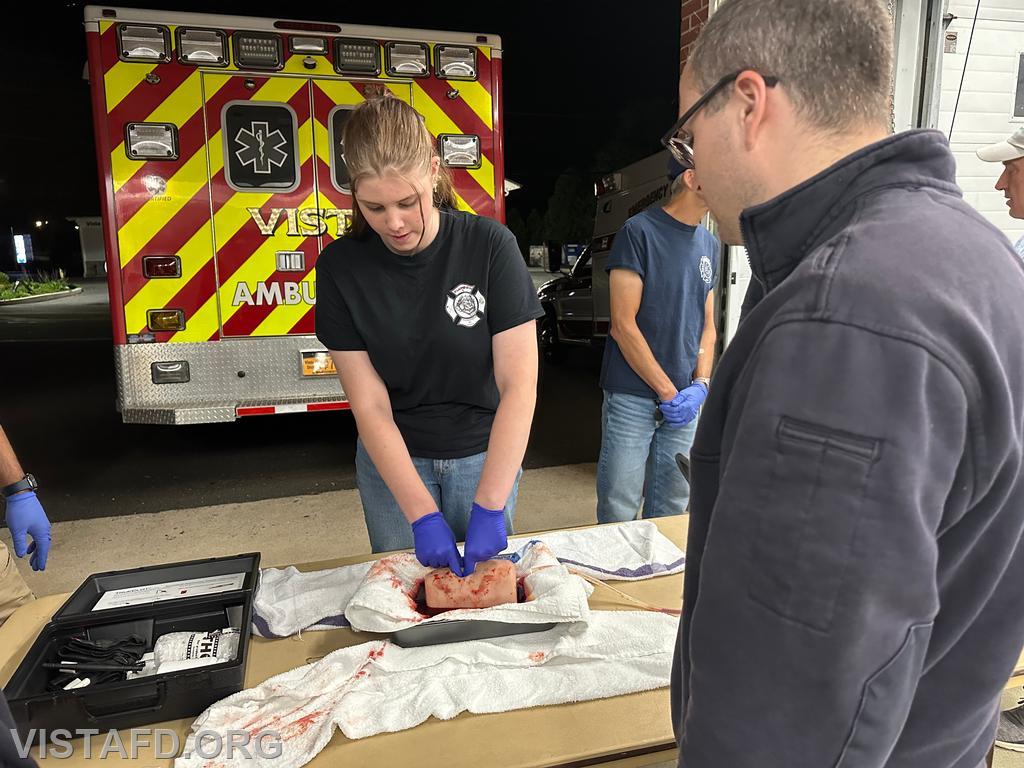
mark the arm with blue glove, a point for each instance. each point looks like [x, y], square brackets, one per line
[485, 535]
[371, 405]
[683, 408]
[515, 372]
[24, 514]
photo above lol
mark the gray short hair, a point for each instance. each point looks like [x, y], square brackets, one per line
[833, 57]
[678, 185]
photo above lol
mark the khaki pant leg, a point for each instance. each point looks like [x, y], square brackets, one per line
[14, 592]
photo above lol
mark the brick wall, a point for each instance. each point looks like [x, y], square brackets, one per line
[694, 14]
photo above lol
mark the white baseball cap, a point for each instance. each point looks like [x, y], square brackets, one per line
[1004, 151]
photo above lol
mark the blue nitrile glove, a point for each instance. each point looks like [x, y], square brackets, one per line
[485, 535]
[683, 408]
[435, 543]
[25, 515]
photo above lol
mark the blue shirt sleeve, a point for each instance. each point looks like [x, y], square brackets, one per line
[626, 252]
[716, 259]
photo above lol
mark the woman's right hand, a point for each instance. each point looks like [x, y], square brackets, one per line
[435, 543]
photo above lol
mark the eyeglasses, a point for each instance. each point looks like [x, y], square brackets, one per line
[678, 140]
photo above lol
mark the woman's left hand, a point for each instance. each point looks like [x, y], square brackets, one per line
[485, 536]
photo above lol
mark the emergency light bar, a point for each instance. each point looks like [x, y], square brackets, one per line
[356, 57]
[174, 372]
[409, 59]
[454, 62]
[202, 46]
[460, 150]
[165, 319]
[258, 50]
[143, 43]
[151, 141]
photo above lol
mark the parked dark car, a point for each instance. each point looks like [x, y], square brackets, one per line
[568, 311]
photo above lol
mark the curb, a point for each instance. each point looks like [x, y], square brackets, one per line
[44, 297]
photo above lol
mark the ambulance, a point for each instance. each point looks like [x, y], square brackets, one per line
[223, 176]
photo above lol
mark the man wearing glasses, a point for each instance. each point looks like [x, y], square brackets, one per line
[855, 559]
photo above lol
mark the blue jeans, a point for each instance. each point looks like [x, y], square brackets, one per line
[638, 461]
[452, 483]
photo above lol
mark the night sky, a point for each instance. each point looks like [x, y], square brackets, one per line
[586, 83]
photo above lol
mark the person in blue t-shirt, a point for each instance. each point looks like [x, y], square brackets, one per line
[657, 363]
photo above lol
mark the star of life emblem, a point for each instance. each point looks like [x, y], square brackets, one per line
[465, 305]
[705, 269]
[261, 148]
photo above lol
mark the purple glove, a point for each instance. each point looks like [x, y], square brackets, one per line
[25, 515]
[485, 535]
[683, 408]
[435, 543]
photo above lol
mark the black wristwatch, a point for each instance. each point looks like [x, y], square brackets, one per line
[27, 483]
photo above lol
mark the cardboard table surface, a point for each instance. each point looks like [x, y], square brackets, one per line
[632, 730]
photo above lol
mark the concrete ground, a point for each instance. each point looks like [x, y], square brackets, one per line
[299, 529]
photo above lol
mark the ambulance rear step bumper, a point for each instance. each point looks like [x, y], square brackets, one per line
[227, 379]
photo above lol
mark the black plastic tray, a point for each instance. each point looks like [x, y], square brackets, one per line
[460, 630]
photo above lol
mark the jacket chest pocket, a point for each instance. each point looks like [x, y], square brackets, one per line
[807, 525]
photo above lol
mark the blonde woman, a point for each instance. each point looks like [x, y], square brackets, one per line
[429, 315]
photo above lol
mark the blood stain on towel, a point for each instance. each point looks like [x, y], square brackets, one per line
[537, 656]
[269, 725]
[298, 727]
[383, 568]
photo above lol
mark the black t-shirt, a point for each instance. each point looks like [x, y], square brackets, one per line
[426, 321]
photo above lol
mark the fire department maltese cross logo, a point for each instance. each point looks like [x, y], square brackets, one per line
[705, 269]
[261, 148]
[465, 305]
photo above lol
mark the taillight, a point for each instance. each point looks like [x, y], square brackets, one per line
[161, 266]
[165, 320]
